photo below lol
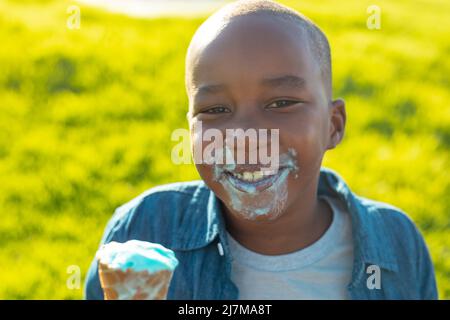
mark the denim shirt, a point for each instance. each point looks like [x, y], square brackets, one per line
[187, 218]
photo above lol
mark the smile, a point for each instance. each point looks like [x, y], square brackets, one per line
[254, 181]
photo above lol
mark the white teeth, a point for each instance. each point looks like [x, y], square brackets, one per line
[250, 176]
[257, 175]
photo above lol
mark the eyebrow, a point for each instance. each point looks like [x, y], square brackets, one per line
[287, 81]
[210, 89]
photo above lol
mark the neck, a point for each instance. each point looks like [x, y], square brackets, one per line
[302, 223]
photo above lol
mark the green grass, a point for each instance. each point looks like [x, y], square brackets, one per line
[86, 118]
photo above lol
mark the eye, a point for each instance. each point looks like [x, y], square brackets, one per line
[282, 103]
[216, 109]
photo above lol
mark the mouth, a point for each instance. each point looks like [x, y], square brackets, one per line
[254, 181]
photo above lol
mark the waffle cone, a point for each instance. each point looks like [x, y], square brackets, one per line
[133, 285]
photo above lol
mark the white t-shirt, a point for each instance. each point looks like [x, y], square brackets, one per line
[319, 271]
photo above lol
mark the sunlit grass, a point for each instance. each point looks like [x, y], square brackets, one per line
[87, 116]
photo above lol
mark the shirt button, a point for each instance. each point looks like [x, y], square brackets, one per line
[220, 248]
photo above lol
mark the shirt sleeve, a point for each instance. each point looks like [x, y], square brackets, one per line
[428, 287]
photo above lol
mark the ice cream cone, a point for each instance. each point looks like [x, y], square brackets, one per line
[135, 270]
[133, 285]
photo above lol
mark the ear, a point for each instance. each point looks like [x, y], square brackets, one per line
[338, 119]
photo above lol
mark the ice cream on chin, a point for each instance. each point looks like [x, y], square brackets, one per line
[135, 270]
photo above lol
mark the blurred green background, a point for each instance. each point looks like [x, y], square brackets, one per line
[86, 118]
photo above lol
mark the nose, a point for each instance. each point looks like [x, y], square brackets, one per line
[248, 138]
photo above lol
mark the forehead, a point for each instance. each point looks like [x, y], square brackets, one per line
[251, 48]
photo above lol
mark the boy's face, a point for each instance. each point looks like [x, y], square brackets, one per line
[259, 73]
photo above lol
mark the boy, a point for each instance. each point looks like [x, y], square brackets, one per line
[295, 233]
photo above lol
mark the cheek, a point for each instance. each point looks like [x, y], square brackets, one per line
[307, 139]
[206, 173]
[208, 176]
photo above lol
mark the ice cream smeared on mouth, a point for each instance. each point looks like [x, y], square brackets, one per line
[255, 191]
[138, 256]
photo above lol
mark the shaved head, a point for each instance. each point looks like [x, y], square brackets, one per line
[217, 23]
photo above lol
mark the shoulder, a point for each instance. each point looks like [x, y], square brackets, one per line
[157, 214]
[168, 195]
[390, 217]
[394, 228]
[372, 215]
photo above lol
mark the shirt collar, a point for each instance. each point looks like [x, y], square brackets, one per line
[371, 240]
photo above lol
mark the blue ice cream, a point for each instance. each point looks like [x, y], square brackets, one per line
[138, 256]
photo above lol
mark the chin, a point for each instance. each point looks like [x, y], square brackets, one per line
[257, 210]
